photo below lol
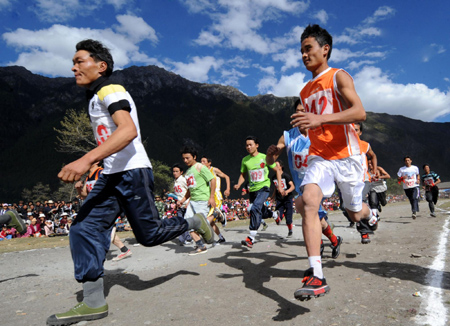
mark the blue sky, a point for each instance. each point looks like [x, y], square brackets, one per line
[396, 51]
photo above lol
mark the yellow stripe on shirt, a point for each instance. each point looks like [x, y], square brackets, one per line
[110, 89]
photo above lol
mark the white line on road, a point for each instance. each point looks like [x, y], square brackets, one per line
[432, 309]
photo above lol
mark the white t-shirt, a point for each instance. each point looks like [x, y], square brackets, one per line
[180, 188]
[409, 175]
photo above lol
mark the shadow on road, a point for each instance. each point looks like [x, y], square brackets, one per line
[133, 282]
[254, 275]
[21, 276]
[402, 271]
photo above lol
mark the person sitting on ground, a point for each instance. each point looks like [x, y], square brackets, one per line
[61, 230]
[48, 228]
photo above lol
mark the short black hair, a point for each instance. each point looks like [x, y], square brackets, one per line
[98, 52]
[361, 126]
[320, 34]
[426, 164]
[407, 156]
[207, 158]
[252, 138]
[190, 150]
[176, 165]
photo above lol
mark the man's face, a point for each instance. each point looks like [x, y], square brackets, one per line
[426, 169]
[313, 55]
[85, 69]
[188, 159]
[251, 147]
[176, 172]
[408, 162]
[205, 162]
[358, 129]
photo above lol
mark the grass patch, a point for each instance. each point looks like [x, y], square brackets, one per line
[21, 244]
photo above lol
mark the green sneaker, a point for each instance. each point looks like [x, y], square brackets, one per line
[81, 312]
[205, 229]
[16, 221]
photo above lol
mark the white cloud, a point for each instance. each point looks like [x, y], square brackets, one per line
[268, 70]
[285, 86]
[321, 16]
[291, 59]
[198, 69]
[4, 4]
[50, 51]
[447, 79]
[380, 94]
[357, 64]
[381, 13]
[136, 28]
[438, 48]
[339, 55]
[231, 77]
[238, 23]
[65, 10]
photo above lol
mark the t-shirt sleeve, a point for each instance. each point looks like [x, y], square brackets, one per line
[115, 98]
[206, 174]
[243, 167]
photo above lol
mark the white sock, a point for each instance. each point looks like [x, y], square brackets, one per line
[253, 235]
[316, 263]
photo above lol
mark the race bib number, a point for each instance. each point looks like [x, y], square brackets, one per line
[191, 183]
[300, 160]
[283, 183]
[410, 183]
[428, 182]
[177, 189]
[319, 103]
[256, 175]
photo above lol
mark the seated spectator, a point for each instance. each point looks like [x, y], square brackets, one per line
[33, 230]
[48, 228]
[6, 233]
[61, 230]
[63, 219]
[120, 226]
[69, 224]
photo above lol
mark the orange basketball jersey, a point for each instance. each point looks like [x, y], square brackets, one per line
[321, 96]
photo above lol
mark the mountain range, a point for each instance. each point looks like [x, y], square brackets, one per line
[174, 111]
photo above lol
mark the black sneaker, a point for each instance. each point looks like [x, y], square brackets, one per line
[352, 224]
[365, 238]
[218, 242]
[289, 234]
[336, 249]
[313, 287]
[248, 242]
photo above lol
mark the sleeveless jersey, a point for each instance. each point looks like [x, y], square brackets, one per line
[321, 96]
[365, 146]
[218, 193]
[92, 178]
[297, 148]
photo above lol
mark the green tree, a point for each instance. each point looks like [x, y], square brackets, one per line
[39, 192]
[66, 191]
[393, 187]
[75, 135]
[162, 174]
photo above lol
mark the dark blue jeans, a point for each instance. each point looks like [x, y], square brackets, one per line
[257, 199]
[413, 196]
[131, 192]
[285, 207]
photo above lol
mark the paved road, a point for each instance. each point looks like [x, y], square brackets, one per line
[230, 285]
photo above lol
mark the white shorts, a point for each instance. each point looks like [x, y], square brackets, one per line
[348, 173]
[196, 207]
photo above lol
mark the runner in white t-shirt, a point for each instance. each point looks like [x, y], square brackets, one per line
[409, 177]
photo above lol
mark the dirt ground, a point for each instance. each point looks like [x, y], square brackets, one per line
[229, 285]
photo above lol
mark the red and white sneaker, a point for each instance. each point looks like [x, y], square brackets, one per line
[313, 286]
[365, 238]
[248, 242]
[123, 255]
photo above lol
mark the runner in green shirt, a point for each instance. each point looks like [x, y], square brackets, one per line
[255, 168]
